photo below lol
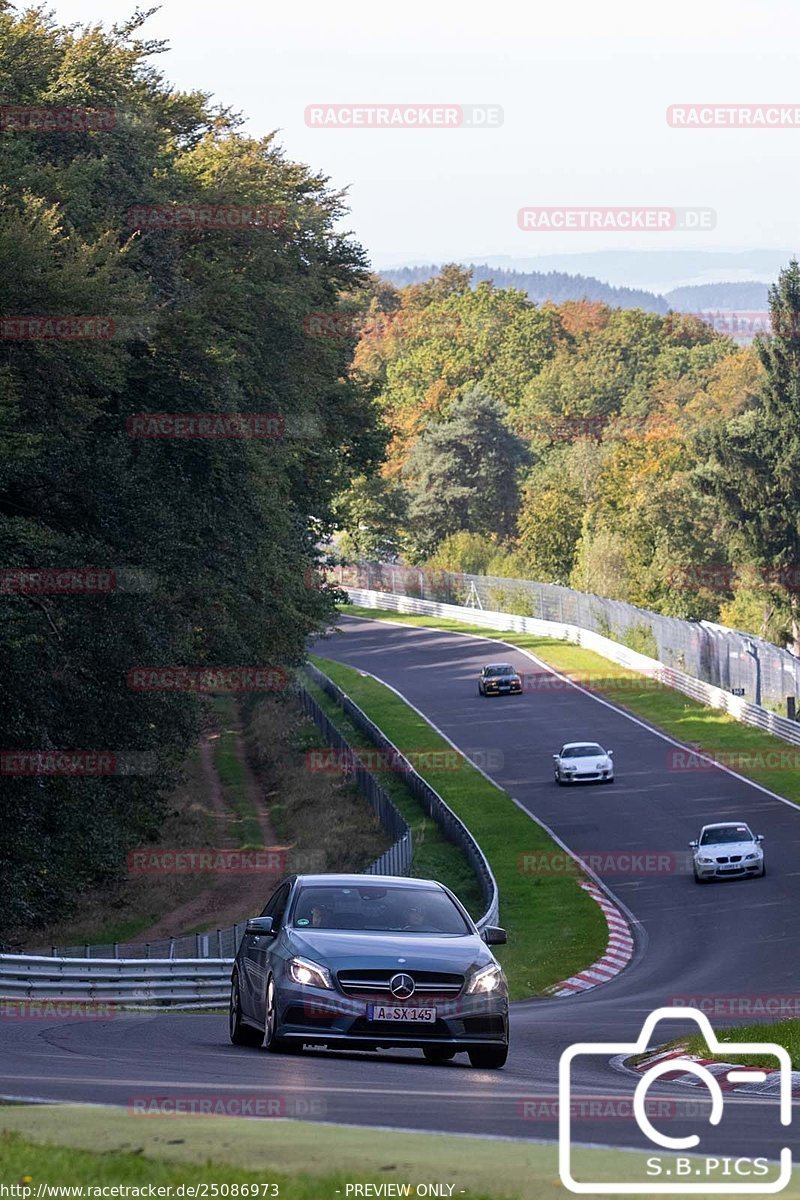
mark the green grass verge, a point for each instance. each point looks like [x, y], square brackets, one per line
[783, 1033]
[758, 756]
[434, 856]
[554, 928]
[75, 1145]
[230, 768]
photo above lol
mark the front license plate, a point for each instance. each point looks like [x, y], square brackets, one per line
[399, 1012]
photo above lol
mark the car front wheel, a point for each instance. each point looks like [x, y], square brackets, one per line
[240, 1034]
[271, 1041]
[488, 1058]
[699, 878]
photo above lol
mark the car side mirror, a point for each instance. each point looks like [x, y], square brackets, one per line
[555, 756]
[694, 844]
[609, 753]
[493, 935]
[262, 926]
[759, 837]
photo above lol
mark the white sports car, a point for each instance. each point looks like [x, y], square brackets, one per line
[577, 762]
[728, 849]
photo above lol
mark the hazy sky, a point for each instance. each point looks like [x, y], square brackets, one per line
[584, 87]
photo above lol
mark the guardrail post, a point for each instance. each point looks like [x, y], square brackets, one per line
[219, 943]
[53, 952]
[172, 947]
[147, 949]
[197, 945]
[116, 949]
[86, 950]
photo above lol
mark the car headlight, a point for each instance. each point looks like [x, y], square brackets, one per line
[750, 856]
[304, 971]
[569, 768]
[706, 861]
[488, 979]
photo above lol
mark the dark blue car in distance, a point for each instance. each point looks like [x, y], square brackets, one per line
[370, 962]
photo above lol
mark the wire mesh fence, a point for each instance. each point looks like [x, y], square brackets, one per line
[738, 662]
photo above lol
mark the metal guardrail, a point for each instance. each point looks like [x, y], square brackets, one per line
[139, 980]
[452, 827]
[724, 658]
[706, 693]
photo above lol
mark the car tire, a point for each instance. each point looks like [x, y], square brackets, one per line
[240, 1034]
[438, 1054]
[271, 1042]
[609, 780]
[558, 779]
[763, 871]
[699, 878]
[480, 690]
[488, 1058]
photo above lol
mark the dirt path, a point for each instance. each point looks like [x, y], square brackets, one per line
[228, 898]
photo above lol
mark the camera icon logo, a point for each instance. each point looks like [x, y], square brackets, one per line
[706, 1185]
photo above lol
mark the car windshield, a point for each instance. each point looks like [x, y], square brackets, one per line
[586, 750]
[727, 833]
[388, 909]
[501, 670]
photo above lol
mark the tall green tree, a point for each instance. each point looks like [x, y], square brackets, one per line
[463, 475]
[211, 539]
[753, 464]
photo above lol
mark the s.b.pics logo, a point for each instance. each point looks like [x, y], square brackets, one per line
[668, 1168]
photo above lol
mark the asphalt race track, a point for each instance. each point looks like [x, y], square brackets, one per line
[739, 938]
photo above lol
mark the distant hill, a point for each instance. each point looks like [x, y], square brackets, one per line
[736, 297]
[657, 271]
[558, 286]
[540, 286]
